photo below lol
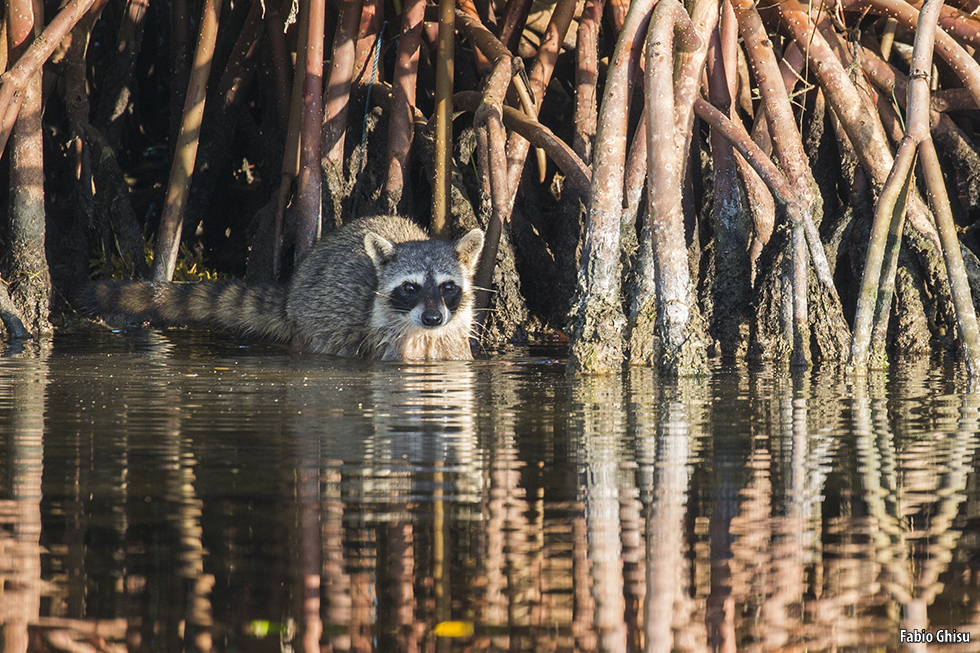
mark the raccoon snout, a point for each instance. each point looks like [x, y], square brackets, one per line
[432, 311]
[431, 318]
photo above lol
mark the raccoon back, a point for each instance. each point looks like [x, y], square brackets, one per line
[252, 309]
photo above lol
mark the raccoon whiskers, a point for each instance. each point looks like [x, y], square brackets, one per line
[486, 310]
[475, 335]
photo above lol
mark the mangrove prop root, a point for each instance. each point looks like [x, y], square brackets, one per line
[623, 215]
[539, 74]
[25, 264]
[443, 119]
[314, 136]
[676, 313]
[788, 147]
[401, 124]
[336, 99]
[597, 339]
[171, 222]
[30, 60]
[586, 72]
[731, 285]
[307, 193]
[890, 210]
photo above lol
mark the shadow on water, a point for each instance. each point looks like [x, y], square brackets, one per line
[173, 491]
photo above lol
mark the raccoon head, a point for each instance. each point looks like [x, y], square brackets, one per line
[425, 284]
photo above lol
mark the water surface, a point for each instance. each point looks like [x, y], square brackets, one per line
[173, 491]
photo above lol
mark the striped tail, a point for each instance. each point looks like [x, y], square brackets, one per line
[252, 309]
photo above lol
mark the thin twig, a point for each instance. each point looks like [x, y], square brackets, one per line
[443, 123]
[185, 154]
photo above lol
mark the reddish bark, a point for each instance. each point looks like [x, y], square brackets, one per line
[586, 75]
[946, 47]
[959, 24]
[539, 74]
[512, 23]
[367, 38]
[401, 123]
[862, 129]
[489, 117]
[616, 11]
[313, 141]
[336, 94]
[443, 119]
[470, 9]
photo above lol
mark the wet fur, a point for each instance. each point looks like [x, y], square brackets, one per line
[334, 304]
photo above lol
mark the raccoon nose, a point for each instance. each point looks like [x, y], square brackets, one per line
[431, 318]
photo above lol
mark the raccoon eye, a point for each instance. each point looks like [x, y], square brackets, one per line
[452, 295]
[410, 287]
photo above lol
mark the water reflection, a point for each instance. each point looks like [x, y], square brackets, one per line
[20, 512]
[164, 491]
[395, 446]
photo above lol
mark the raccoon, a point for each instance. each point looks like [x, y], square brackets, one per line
[378, 288]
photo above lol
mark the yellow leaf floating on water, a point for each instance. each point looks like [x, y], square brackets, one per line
[258, 628]
[453, 629]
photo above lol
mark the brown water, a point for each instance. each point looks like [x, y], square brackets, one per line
[169, 491]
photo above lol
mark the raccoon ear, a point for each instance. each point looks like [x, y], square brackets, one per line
[379, 249]
[468, 249]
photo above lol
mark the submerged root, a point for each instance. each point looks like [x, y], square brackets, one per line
[648, 346]
[831, 337]
[909, 323]
[598, 346]
[938, 299]
[824, 338]
[772, 329]
[726, 300]
[507, 318]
